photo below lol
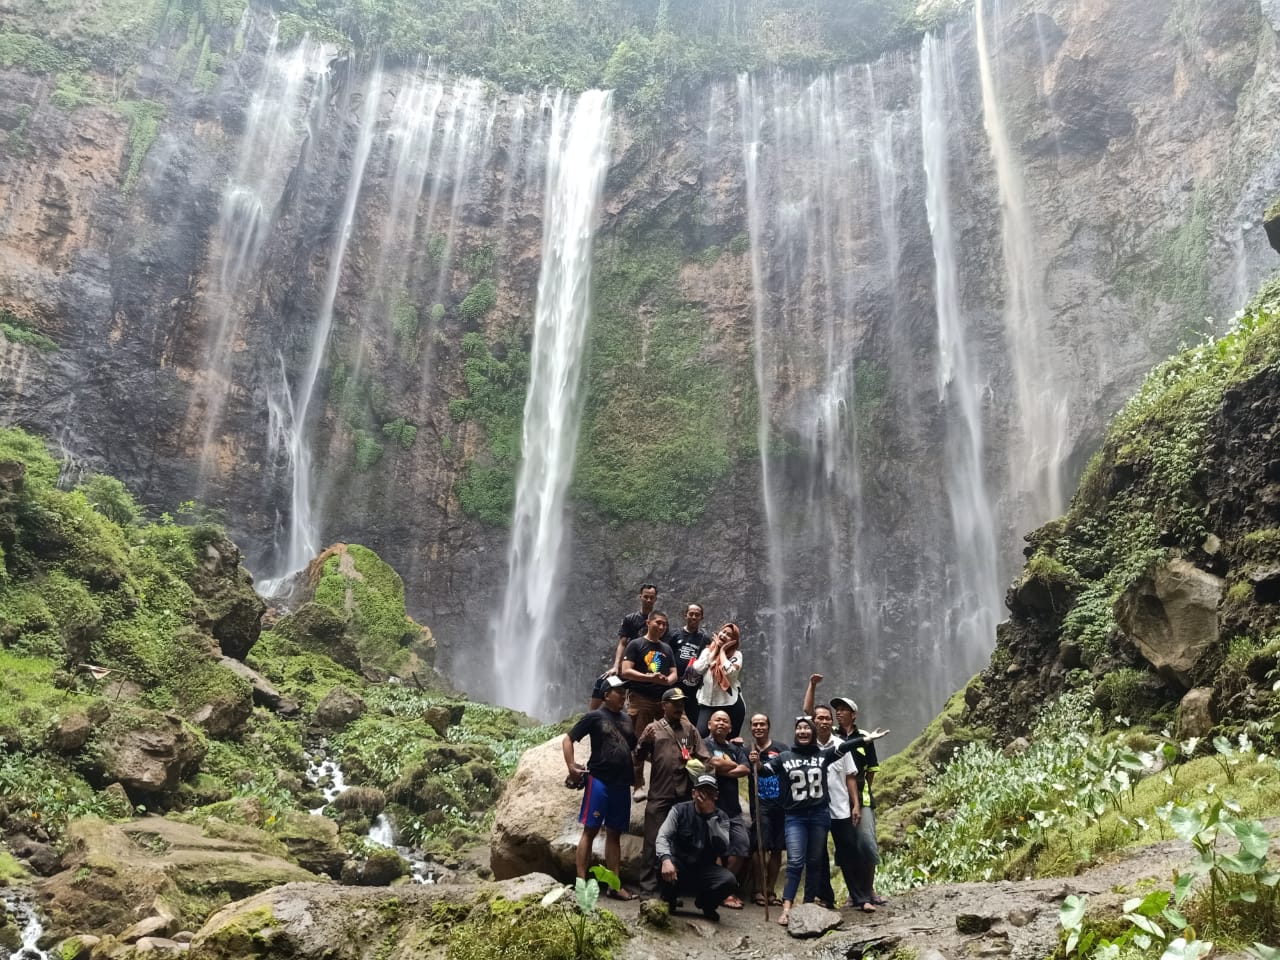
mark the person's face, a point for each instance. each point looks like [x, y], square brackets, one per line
[804, 734]
[658, 625]
[760, 727]
[614, 698]
[672, 710]
[692, 618]
[719, 725]
[704, 800]
[846, 717]
[822, 720]
[648, 597]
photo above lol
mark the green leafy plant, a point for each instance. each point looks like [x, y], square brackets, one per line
[586, 894]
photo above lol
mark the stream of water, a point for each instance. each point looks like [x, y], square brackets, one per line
[31, 927]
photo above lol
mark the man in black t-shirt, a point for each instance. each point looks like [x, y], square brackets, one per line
[729, 763]
[633, 625]
[767, 815]
[649, 668]
[606, 800]
[687, 643]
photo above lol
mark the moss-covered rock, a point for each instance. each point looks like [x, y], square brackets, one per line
[147, 752]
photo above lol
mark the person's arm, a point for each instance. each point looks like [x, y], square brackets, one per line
[617, 656]
[810, 694]
[672, 676]
[699, 748]
[739, 760]
[703, 660]
[853, 743]
[629, 671]
[644, 743]
[566, 744]
[855, 797]
[665, 846]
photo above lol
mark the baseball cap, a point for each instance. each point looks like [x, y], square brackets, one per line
[614, 682]
[706, 782]
[846, 702]
[675, 693]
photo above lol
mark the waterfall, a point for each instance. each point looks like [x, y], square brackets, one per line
[974, 564]
[30, 927]
[289, 407]
[577, 161]
[1036, 459]
[278, 130]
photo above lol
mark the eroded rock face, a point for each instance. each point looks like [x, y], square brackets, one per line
[231, 610]
[151, 754]
[1171, 615]
[535, 827]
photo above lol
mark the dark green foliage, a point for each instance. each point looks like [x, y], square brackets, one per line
[144, 126]
[659, 418]
[401, 431]
[33, 54]
[478, 264]
[16, 330]
[478, 301]
[368, 450]
[111, 498]
[374, 601]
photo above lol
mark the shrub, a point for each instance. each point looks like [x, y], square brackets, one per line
[401, 431]
[111, 498]
[368, 450]
[479, 301]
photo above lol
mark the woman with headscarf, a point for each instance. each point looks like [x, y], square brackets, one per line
[802, 777]
[720, 664]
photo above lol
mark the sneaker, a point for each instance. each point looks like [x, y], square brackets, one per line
[638, 794]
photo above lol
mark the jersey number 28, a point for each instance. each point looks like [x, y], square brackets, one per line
[806, 783]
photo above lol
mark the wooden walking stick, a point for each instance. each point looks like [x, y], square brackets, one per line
[764, 878]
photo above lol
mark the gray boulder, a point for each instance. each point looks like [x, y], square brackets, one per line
[1195, 713]
[810, 920]
[151, 754]
[339, 707]
[1171, 615]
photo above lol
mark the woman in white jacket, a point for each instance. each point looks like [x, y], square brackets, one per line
[720, 664]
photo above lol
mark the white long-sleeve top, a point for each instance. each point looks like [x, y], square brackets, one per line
[710, 694]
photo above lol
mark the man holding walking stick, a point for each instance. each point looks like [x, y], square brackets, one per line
[769, 837]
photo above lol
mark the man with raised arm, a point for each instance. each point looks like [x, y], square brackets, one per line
[649, 668]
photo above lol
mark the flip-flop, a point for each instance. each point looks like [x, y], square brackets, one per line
[867, 908]
[731, 902]
[775, 900]
[878, 900]
[759, 900]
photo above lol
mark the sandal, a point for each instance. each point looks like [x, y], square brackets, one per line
[867, 907]
[759, 900]
[619, 894]
[775, 900]
[732, 902]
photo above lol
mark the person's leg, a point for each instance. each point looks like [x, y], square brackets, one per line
[585, 841]
[710, 884]
[617, 821]
[797, 830]
[737, 716]
[865, 858]
[873, 847]
[816, 869]
[736, 860]
[642, 713]
[591, 815]
[654, 815]
[845, 837]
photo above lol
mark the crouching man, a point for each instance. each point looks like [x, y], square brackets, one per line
[692, 838]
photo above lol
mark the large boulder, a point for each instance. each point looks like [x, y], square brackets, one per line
[1196, 713]
[339, 707]
[1171, 615]
[309, 921]
[149, 752]
[229, 607]
[116, 875]
[224, 714]
[313, 842]
[264, 694]
[535, 827]
[320, 629]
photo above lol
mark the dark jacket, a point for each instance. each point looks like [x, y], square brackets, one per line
[689, 838]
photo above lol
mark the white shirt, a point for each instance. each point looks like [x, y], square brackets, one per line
[710, 694]
[837, 788]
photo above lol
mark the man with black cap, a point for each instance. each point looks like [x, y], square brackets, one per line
[670, 744]
[694, 835]
[606, 798]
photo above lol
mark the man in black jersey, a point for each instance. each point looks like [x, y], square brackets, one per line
[606, 798]
[687, 643]
[633, 625]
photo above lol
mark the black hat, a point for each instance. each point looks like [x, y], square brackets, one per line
[675, 693]
[706, 782]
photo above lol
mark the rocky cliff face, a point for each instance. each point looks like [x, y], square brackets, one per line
[1138, 130]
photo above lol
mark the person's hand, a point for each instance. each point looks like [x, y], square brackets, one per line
[877, 733]
[857, 816]
[611, 672]
[815, 679]
[753, 757]
[669, 872]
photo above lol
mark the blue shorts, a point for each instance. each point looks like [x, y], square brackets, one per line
[607, 806]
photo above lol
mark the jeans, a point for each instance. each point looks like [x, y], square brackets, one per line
[806, 851]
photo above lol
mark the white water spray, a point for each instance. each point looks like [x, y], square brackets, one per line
[577, 161]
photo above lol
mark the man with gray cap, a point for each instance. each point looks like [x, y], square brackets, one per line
[866, 854]
[669, 744]
[693, 837]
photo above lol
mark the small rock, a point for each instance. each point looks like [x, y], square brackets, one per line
[1016, 746]
[1195, 713]
[437, 718]
[339, 707]
[811, 920]
[1266, 584]
[1069, 654]
[183, 936]
[160, 948]
[70, 733]
[118, 795]
[973, 923]
[78, 947]
[152, 927]
[1211, 545]
[1020, 917]
[656, 914]
[42, 858]
[931, 955]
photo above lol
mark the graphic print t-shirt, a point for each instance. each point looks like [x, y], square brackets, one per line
[612, 741]
[687, 646]
[649, 658]
[770, 787]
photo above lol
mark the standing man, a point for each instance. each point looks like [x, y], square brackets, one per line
[649, 668]
[767, 815]
[606, 798]
[687, 643]
[669, 744]
[693, 837]
[729, 764]
[633, 625]
[866, 851]
[842, 797]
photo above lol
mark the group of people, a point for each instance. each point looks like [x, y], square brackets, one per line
[674, 700]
